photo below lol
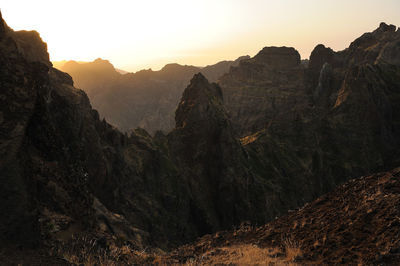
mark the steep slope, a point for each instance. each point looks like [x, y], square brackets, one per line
[202, 144]
[357, 223]
[65, 172]
[146, 99]
[263, 89]
[56, 153]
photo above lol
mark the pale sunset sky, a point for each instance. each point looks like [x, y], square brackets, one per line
[134, 35]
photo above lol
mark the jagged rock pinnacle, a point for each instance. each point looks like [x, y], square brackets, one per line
[198, 99]
[2, 26]
[385, 27]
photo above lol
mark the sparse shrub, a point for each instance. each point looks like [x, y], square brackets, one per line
[89, 251]
[292, 249]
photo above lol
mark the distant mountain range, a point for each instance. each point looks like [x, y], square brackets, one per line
[145, 99]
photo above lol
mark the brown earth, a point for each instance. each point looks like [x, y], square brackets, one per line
[357, 223]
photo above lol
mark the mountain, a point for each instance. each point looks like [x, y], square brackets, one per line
[274, 84]
[207, 153]
[146, 99]
[67, 174]
[263, 87]
[73, 186]
[54, 147]
[323, 123]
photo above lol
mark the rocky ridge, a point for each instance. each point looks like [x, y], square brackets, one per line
[335, 119]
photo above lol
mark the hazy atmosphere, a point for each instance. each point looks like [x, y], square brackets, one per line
[135, 35]
[224, 132]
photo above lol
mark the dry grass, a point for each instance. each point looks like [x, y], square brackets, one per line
[242, 255]
[88, 252]
[292, 249]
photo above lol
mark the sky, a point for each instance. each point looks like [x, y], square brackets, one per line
[144, 34]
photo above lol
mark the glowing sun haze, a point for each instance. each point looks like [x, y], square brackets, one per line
[150, 33]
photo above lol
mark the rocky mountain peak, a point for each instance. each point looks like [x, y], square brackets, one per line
[381, 45]
[97, 65]
[198, 100]
[103, 62]
[319, 56]
[31, 46]
[2, 26]
[278, 57]
[172, 66]
[211, 159]
[176, 68]
[244, 57]
[383, 27]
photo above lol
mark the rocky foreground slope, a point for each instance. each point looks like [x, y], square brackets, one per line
[356, 224]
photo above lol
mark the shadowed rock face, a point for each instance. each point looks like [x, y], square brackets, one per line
[273, 86]
[64, 171]
[262, 88]
[197, 99]
[278, 57]
[342, 120]
[210, 158]
[319, 56]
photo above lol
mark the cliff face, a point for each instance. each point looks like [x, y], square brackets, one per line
[25, 83]
[358, 97]
[274, 85]
[145, 99]
[64, 171]
[17, 102]
[263, 88]
[341, 121]
[212, 160]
